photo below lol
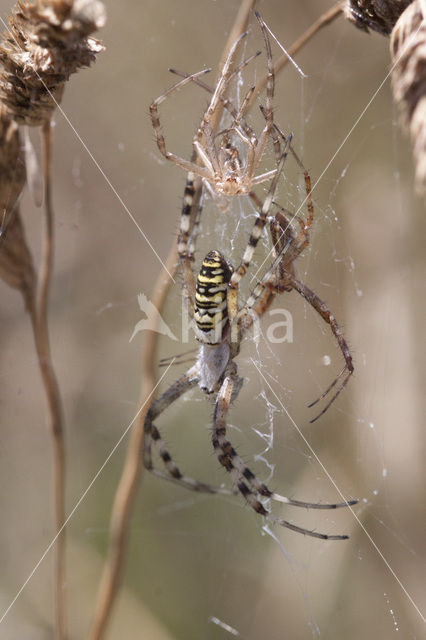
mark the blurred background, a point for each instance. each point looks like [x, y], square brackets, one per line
[195, 562]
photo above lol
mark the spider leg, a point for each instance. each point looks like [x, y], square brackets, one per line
[306, 175]
[227, 456]
[209, 158]
[251, 143]
[270, 88]
[225, 77]
[323, 310]
[179, 358]
[263, 177]
[189, 223]
[244, 479]
[226, 102]
[255, 235]
[241, 320]
[282, 237]
[153, 436]
[313, 505]
[280, 277]
[277, 282]
[161, 143]
[275, 131]
[205, 130]
[240, 116]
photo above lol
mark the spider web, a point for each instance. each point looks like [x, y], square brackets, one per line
[202, 566]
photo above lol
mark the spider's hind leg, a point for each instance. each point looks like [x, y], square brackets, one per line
[153, 436]
[227, 456]
[245, 480]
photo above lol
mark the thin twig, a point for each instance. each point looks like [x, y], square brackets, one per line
[38, 314]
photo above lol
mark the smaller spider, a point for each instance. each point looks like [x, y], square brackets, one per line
[221, 326]
[217, 160]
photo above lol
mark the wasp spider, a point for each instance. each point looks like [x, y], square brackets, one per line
[216, 159]
[220, 327]
[287, 246]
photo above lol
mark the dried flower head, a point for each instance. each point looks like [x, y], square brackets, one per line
[47, 42]
[16, 266]
[378, 15]
[408, 51]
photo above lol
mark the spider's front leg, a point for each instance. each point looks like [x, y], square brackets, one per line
[322, 309]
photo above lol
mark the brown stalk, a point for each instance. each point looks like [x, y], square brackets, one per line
[38, 310]
[41, 339]
[16, 268]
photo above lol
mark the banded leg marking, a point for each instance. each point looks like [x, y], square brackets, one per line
[242, 476]
[153, 436]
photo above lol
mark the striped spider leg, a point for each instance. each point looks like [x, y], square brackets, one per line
[216, 314]
[219, 164]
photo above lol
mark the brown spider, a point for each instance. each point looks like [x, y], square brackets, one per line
[217, 160]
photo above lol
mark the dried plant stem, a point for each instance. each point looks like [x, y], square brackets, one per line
[38, 314]
[132, 471]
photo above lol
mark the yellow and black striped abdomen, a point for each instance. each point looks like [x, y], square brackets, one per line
[210, 312]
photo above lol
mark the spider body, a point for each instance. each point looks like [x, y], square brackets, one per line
[211, 319]
[211, 312]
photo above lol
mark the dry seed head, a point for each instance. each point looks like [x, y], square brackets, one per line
[408, 51]
[47, 42]
[16, 267]
[378, 15]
